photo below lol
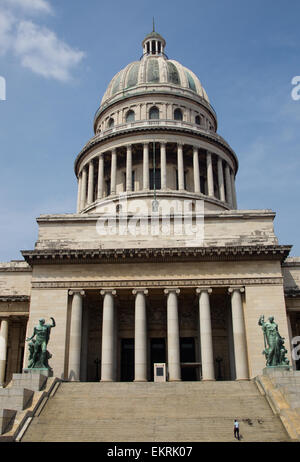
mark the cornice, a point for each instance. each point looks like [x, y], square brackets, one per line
[14, 298]
[140, 255]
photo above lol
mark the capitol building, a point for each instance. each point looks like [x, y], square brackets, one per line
[157, 264]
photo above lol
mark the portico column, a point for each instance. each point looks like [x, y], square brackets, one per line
[91, 183]
[146, 166]
[210, 178]
[163, 165]
[108, 337]
[140, 336]
[129, 168]
[196, 170]
[79, 193]
[234, 202]
[100, 177]
[113, 171]
[221, 179]
[173, 335]
[180, 167]
[75, 335]
[83, 188]
[3, 349]
[207, 357]
[239, 334]
[228, 185]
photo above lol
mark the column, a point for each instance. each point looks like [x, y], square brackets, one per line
[173, 335]
[129, 168]
[113, 171]
[83, 188]
[3, 349]
[91, 183]
[163, 165]
[234, 202]
[146, 166]
[108, 337]
[79, 193]
[228, 185]
[207, 357]
[239, 334]
[140, 336]
[221, 179]
[196, 170]
[210, 177]
[100, 188]
[75, 335]
[180, 167]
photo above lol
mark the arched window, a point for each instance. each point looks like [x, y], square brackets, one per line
[130, 116]
[178, 114]
[111, 123]
[154, 113]
[198, 120]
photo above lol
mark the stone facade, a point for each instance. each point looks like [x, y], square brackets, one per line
[129, 284]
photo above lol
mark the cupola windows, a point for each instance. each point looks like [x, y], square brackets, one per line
[178, 114]
[130, 116]
[111, 122]
[154, 113]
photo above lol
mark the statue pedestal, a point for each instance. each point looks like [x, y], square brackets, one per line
[277, 371]
[39, 370]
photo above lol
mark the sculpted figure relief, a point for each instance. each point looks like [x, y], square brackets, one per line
[275, 350]
[38, 353]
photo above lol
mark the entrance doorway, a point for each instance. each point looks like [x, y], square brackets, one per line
[187, 358]
[127, 359]
[157, 353]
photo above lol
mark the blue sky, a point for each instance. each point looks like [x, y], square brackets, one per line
[58, 56]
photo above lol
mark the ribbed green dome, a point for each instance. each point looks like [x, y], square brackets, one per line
[152, 71]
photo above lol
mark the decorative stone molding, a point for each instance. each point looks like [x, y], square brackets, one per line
[156, 283]
[144, 291]
[14, 298]
[224, 253]
[80, 292]
[105, 291]
[202, 289]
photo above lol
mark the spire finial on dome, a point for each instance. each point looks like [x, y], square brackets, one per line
[153, 43]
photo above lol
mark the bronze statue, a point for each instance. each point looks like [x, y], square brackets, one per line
[275, 350]
[38, 353]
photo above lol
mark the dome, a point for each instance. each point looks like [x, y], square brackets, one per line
[153, 72]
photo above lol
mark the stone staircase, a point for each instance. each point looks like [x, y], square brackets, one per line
[156, 412]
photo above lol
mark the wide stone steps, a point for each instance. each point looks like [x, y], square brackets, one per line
[182, 411]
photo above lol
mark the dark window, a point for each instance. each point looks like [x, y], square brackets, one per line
[107, 187]
[198, 120]
[111, 123]
[130, 116]
[154, 113]
[157, 178]
[178, 114]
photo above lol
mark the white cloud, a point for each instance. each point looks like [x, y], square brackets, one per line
[7, 21]
[38, 48]
[31, 6]
[44, 53]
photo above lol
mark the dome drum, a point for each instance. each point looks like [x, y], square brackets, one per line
[168, 168]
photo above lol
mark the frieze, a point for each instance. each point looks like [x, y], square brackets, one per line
[155, 283]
